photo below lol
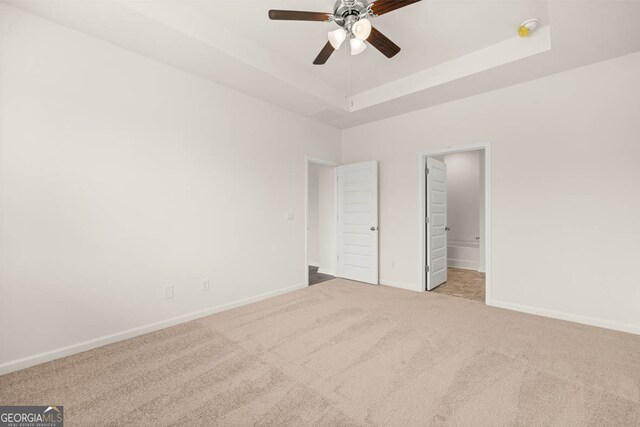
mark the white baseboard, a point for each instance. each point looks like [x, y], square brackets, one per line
[461, 263]
[482, 268]
[399, 285]
[585, 320]
[26, 362]
[326, 271]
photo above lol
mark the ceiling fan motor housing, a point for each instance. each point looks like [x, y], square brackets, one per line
[347, 12]
[352, 18]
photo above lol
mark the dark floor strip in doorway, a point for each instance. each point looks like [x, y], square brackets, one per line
[315, 277]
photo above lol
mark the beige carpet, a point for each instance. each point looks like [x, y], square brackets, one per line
[342, 353]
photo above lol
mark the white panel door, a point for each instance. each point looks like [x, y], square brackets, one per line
[358, 222]
[436, 223]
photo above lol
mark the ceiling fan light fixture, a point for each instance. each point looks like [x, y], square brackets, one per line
[337, 37]
[357, 46]
[353, 18]
[362, 29]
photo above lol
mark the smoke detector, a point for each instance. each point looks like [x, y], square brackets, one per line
[528, 26]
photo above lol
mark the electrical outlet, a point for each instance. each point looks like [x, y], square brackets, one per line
[168, 291]
[205, 284]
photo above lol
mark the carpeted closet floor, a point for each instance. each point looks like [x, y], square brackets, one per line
[344, 353]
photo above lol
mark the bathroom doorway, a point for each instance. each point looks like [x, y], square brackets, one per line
[456, 222]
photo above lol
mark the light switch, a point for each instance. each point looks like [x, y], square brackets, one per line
[168, 291]
[289, 216]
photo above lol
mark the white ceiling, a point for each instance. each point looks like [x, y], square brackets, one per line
[429, 33]
[450, 48]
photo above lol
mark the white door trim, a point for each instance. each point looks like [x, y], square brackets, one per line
[422, 157]
[322, 162]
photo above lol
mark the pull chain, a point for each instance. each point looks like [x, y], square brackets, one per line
[348, 82]
[346, 62]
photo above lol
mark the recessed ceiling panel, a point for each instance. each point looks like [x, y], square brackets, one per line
[429, 33]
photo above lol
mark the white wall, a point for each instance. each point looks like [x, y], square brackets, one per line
[312, 224]
[327, 245]
[322, 223]
[463, 208]
[565, 181]
[481, 217]
[121, 175]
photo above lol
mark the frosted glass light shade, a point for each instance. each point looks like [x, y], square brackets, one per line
[357, 46]
[362, 29]
[337, 37]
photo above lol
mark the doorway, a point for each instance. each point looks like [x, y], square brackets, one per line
[320, 221]
[455, 200]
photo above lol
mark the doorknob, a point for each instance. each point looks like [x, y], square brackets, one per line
[447, 228]
[373, 228]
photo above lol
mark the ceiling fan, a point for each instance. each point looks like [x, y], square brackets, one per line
[353, 18]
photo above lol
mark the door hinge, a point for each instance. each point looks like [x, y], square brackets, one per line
[426, 269]
[426, 220]
[426, 171]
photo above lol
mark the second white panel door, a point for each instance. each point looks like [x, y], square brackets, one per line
[436, 223]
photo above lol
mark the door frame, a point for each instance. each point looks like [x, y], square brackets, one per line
[422, 159]
[322, 162]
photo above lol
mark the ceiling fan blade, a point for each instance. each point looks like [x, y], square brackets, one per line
[324, 54]
[298, 15]
[380, 7]
[383, 44]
